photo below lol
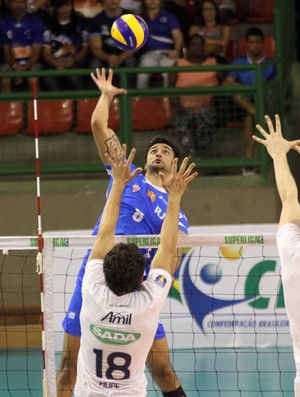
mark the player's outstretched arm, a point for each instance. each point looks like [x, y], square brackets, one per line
[278, 147]
[105, 138]
[175, 185]
[121, 176]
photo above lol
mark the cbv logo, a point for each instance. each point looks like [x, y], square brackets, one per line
[212, 281]
[112, 336]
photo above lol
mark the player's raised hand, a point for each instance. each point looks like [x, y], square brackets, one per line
[179, 179]
[274, 141]
[121, 166]
[105, 84]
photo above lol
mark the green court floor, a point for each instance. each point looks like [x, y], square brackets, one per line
[203, 373]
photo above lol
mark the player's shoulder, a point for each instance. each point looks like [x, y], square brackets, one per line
[159, 277]
[288, 241]
[93, 274]
[288, 229]
[288, 235]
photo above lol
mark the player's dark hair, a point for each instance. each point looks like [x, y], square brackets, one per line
[254, 32]
[178, 151]
[123, 267]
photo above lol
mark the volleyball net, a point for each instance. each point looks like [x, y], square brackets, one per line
[225, 317]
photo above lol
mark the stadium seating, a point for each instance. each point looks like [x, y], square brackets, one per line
[240, 10]
[54, 117]
[85, 108]
[232, 51]
[150, 114]
[11, 118]
[260, 11]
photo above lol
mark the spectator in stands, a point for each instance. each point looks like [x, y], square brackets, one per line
[165, 40]
[104, 51]
[65, 45]
[180, 9]
[217, 36]
[21, 35]
[255, 54]
[193, 115]
[226, 10]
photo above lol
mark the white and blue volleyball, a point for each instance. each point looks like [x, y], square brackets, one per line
[129, 32]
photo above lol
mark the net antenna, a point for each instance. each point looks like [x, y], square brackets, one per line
[39, 260]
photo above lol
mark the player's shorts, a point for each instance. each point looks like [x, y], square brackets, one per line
[71, 322]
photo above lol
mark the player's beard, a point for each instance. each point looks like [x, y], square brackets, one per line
[155, 168]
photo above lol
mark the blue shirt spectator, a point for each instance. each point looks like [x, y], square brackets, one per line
[255, 55]
[21, 35]
[105, 53]
[248, 77]
[160, 31]
[65, 45]
[165, 40]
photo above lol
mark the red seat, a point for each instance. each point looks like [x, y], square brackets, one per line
[11, 118]
[232, 51]
[269, 46]
[232, 21]
[85, 108]
[54, 117]
[260, 11]
[150, 113]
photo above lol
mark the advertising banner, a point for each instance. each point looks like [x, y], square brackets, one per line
[228, 295]
[225, 295]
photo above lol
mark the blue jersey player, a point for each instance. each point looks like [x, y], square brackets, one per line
[142, 211]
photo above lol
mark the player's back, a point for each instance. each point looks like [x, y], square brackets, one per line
[117, 333]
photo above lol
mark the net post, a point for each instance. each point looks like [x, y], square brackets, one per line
[40, 237]
[49, 381]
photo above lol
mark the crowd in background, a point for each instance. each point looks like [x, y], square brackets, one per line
[69, 34]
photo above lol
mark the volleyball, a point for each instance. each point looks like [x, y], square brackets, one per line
[129, 32]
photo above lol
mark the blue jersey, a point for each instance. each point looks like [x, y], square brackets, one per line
[142, 211]
[160, 31]
[21, 35]
[248, 77]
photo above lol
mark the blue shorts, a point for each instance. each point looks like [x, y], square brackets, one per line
[71, 323]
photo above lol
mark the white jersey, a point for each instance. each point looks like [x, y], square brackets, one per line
[117, 334]
[288, 242]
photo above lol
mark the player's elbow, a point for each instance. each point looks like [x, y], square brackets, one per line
[290, 198]
[96, 122]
